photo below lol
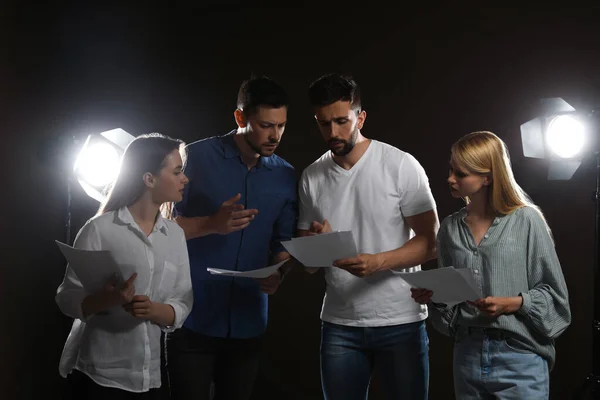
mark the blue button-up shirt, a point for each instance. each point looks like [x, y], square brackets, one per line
[226, 306]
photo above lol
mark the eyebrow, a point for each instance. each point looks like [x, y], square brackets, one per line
[261, 121]
[333, 119]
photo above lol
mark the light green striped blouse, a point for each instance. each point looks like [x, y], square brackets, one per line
[515, 257]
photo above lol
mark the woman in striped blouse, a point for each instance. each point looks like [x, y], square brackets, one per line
[504, 342]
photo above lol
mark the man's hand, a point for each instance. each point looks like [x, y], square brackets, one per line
[316, 228]
[495, 306]
[270, 284]
[361, 265]
[231, 217]
[421, 296]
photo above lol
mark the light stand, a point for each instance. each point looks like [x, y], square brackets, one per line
[591, 384]
[536, 140]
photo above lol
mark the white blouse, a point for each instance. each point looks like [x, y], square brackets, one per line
[114, 348]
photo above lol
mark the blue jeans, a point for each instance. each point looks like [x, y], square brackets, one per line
[486, 366]
[400, 353]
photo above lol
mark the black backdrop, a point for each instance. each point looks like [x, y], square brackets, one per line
[429, 74]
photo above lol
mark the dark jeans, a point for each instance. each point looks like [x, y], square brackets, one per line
[80, 387]
[399, 353]
[194, 361]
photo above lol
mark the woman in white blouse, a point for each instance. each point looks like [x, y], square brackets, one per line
[113, 350]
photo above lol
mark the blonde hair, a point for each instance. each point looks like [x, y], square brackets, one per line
[483, 153]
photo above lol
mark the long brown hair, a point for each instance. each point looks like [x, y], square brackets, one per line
[146, 153]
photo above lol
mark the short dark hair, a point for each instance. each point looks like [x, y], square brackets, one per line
[334, 87]
[260, 91]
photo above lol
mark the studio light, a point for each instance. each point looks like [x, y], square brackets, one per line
[559, 135]
[97, 164]
[566, 136]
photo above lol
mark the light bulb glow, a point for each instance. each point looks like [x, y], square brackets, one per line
[565, 136]
[98, 164]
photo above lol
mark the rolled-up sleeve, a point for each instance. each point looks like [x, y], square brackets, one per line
[182, 297]
[70, 294]
[546, 303]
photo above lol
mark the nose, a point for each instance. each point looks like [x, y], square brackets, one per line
[276, 133]
[333, 130]
[451, 179]
[185, 179]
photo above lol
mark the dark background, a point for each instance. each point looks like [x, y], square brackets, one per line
[429, 74]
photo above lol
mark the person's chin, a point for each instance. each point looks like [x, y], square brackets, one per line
[268, 151]
[339, 152]
[456, 194]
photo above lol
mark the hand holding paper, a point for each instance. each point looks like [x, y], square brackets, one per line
[448, 285]
[112, 295]
[494, 306]
[362, 265]
[322, 250]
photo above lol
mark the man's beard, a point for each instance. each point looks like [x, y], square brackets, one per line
[258, 149]
[348, 144]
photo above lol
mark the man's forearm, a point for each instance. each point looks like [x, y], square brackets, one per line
[194, 227]
[416, 251]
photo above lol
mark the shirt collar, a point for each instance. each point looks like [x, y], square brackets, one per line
[124, 216]
[465, 211]
[230, 150]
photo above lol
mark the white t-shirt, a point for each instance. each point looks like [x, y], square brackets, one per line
[371, 199]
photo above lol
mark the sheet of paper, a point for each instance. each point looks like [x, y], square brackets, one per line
[93, 268]
[322, 250]
[256, 273]
[449, 285]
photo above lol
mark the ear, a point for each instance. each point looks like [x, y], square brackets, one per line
[362, 116]
[488, 180]
[240, 118]
[149, 180]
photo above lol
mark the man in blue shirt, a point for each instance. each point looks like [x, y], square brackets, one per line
[239, 205]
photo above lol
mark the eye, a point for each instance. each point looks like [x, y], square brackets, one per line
[458, 173]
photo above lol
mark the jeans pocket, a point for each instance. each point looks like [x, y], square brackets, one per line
[460, 335]
[515, 346]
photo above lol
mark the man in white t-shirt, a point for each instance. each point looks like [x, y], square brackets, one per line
[381, 194]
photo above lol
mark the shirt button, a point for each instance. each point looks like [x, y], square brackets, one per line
[476, 271]
[475, 252]
[486, 236]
